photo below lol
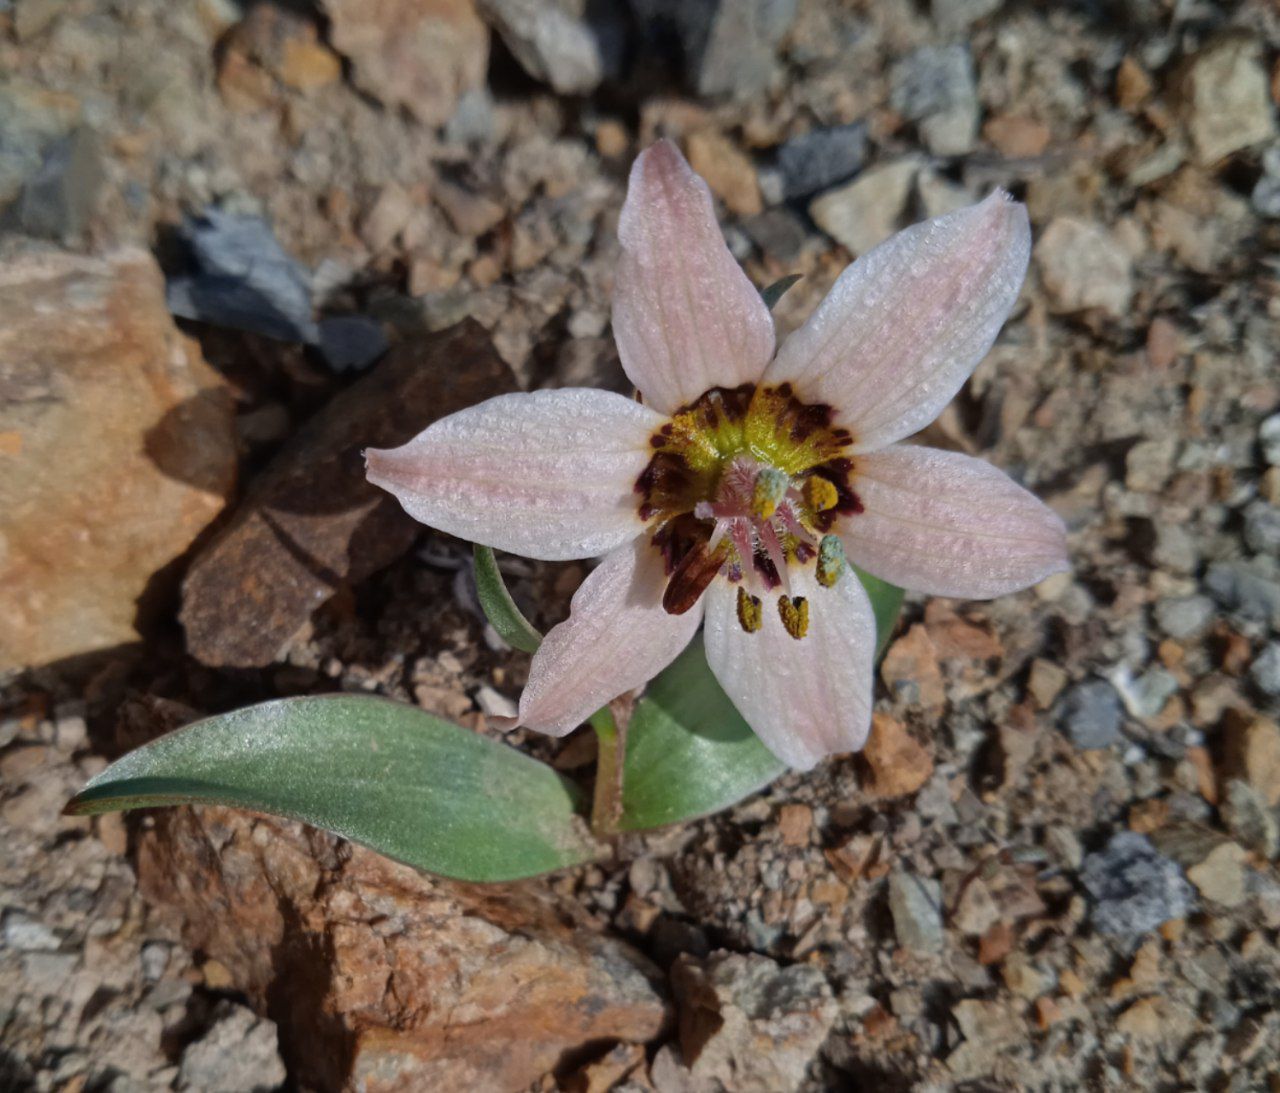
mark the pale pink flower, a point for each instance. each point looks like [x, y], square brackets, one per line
[734, 491]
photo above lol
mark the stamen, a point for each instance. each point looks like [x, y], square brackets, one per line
[794, 612]
[831, 560]
[769, 490]
[750, 611]
[820, 494]
[690, 579]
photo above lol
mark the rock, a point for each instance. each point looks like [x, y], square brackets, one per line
[28, 935]
[896, 764]
[282, 43]
[955, 16]
[1224, 99]
[868, 210]
[104, 398]
[1247, 587]
[795, 822]
[779, 232]
[350, 343]
[423, 55]
[1133, 887]
[727, 170]
[381, 978]
[1175, 549]
[1091, 715]
[238, 1053]
[1145, 696]
[1269, 439]
[1149, 463]
[1252, 752]
[934, 87]
[57, 201]
[1262, 528]
[912, 672]
[242, 279]
[1017, 137]
[747, 1024]
[1185, 617]
[1045, 682]
[1265, 669]
[1250, 820]
[549, 40]
[821, 158]
[916, 906]
[728, 47]
[976, 910]
[311, 523]
[471, 214]
[1213, 863]
[1082, 266]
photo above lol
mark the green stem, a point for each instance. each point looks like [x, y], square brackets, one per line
[606, 808]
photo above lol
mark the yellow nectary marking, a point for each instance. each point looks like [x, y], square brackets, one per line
[750, 611]
[794, 612]
[820, 494]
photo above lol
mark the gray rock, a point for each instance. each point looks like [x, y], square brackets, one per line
[1146, 695]
[1082, 266]
[748, 1024]
[551, 43]
[1269, 438]
[916, 906]
[1134, 888]
[934, 87]
[59, 198]
[238, 1054]
[1184, 617]
[27, 934]
[243, 279]
[1246, 587]
[955, 16]
[867, 210]
[350, 343]
[728, 46]
[1176, 549]
[1224, 98]
[821, 158]
[777, 232]
[1262, 528]
[1265, 669]
[1249, 819]
[1266, 197]
[1090, 714]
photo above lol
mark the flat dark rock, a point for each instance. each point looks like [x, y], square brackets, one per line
[310, 523]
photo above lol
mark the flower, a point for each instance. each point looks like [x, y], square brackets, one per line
[733, 493]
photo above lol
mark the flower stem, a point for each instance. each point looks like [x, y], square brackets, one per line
[611, 737]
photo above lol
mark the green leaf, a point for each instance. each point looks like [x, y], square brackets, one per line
[407, 784]
[771, 294]
[690, 753]
[886, 603]
[498, 606]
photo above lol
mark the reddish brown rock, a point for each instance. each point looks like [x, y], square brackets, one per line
[894, 763]
[911, 670]
[382, 979]
[419, 54]
[311, 523]
[118, 449]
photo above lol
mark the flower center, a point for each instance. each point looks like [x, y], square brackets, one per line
[746, 482]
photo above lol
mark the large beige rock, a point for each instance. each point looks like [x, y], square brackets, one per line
[418, 54]
[382, 979]
[116, 448]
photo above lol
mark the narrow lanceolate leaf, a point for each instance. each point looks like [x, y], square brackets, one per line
[498, 606]
[771, 294]
[689, 751]
[404, 783]
[886, 603]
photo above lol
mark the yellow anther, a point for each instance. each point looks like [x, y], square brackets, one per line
[831, 560]
[794, 612]
[770, 488]
[750, 611]
[820, 493]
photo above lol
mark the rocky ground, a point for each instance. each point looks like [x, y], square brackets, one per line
[238, 245]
